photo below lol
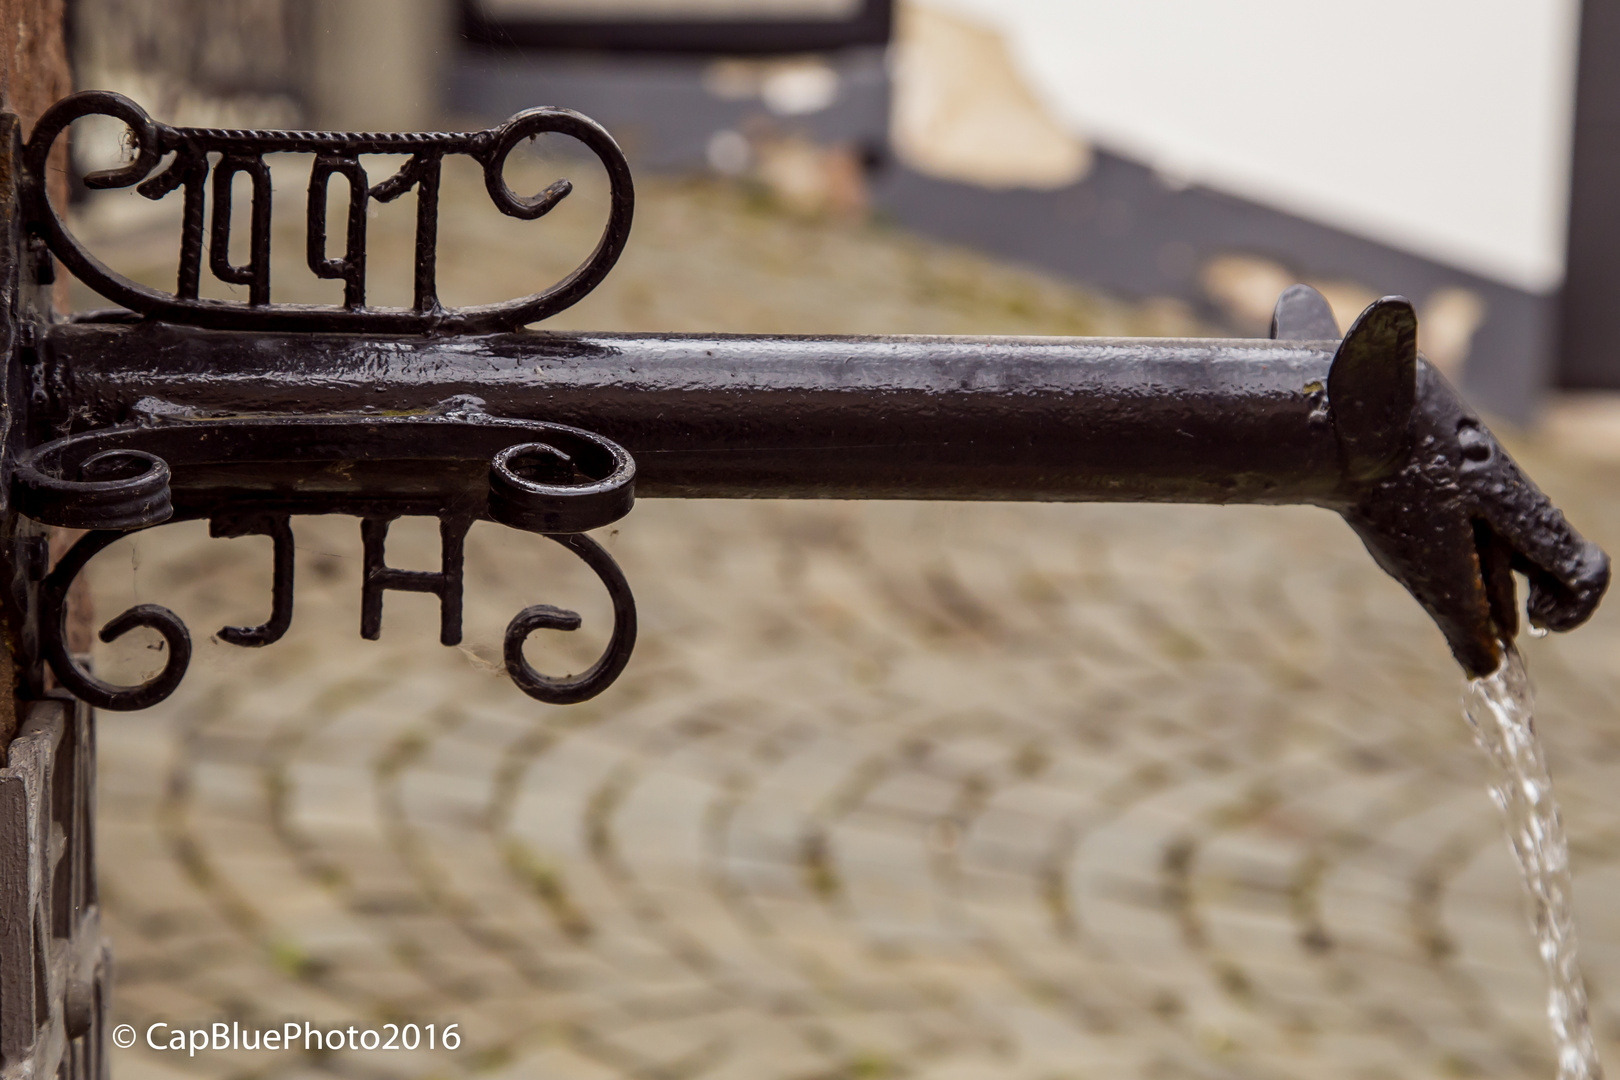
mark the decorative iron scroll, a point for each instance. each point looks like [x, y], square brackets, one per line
[249, 474]
[336, 154]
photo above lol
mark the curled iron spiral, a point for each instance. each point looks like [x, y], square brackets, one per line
[600, 675]
[53, 634]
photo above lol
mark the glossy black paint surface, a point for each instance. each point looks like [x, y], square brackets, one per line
[1361, 426]
[725, 416]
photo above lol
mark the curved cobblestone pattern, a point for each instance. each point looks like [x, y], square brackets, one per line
[908, 790]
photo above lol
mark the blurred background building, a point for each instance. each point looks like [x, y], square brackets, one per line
[1207, 153]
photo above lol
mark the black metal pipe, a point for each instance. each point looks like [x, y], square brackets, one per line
[1361, 425]
[723, 416]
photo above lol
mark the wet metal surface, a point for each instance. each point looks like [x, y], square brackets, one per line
[1440, 505]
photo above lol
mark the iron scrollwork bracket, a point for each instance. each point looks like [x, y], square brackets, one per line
[249, 474]
[336, 153]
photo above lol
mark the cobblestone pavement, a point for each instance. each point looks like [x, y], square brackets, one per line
[909, 790]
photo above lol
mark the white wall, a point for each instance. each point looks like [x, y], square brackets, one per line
[1437, 126]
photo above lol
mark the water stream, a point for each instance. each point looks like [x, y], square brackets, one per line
[1500, 709]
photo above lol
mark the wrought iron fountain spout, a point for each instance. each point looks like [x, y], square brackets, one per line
[1439, 503]
[249, 413]
[179, 407]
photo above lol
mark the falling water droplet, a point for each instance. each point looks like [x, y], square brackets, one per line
[1500, 710]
